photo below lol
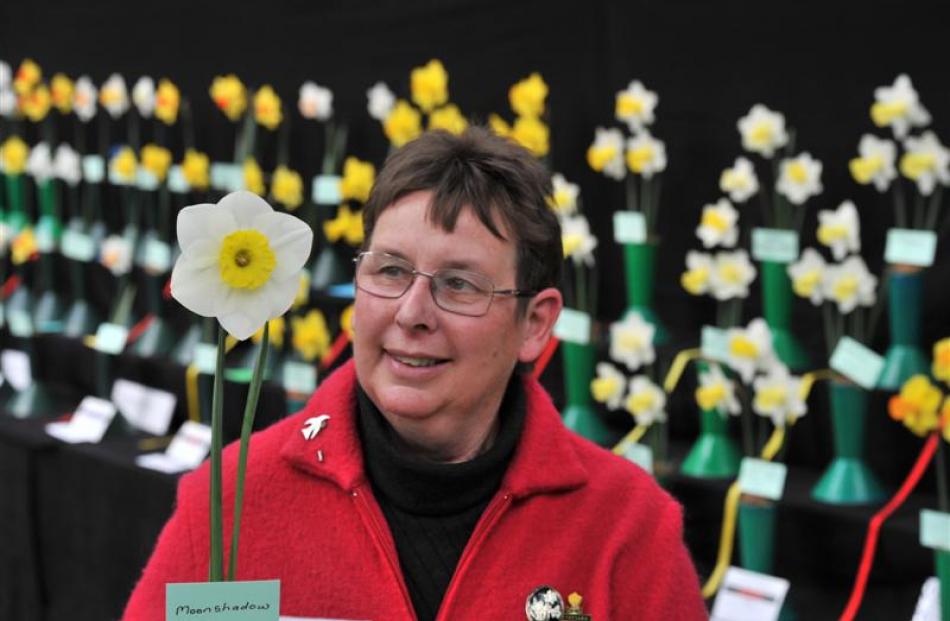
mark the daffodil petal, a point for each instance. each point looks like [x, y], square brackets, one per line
[203, 221]
[246, 207]
[290, 238]
[196, 286]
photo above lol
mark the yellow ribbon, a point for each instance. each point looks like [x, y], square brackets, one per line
[679, 366]
[631, 438]
[809, 379]
[191, 383]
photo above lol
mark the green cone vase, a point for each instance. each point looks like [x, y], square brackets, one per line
[777, 300]
[640, 268]
[714, 455]
[757, 535]
[943, 576]
[580, 415]
[848, 480]
[904, 357]
[16, 212]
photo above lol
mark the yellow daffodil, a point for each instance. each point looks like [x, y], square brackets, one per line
[945, 419]
[717, 392]
[167, 100]
[808, 275]
[303, 293]
[608, 386]
[275, 328]
[311, 338]
[13, 155]
[941, 363]
[253, 177]
[916, 405]
[448, 118]
[899, 107]
[28, 75]
[564, 198]
[749, 349]
[635, 105]
[229, 95]
[527, 96]
[23, 247]
[36, 104]
[645, 401]
[499, 125]
[357, 180]
[605, 155]
[195, 169]
[267, 107]
[631, 341]
[429, 85]
[347, 225]
[403, 125]
[287, 187]
[697, 279]
[532, 134]
[763, 131]
[156, 160]
[124, 165]
[61, 92]
[346, 322]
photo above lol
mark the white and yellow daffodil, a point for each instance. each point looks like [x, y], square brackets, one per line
[577, 240]
[799, 178]
[240, 261]
[143, 96]
[114, 96]
[40, 163]
[645, 401]
[697, 279]
[605, 155]
[635, 105]
[608, 386]
[740, 181]
[926, 161]
[749, 349]
[899, 107]
[849, 284]
[631, 341]
[564, 197]
[875, 162]
[778, 396]
[84, 99]
[808, 275]
[717, 392]
[380, 101]
[116, 255]
[840, 230]
[66, 164]
[315, 102]
[731, 275]
[763, 131]
[645, 155]
[718, 225]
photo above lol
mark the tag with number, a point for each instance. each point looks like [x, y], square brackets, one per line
[93, 168]
[326, 190]
[910, 247]
[857, 362]
[248, 601]
[77, 246]
[111, 338]
[776, 245]
[762, 478]
[629, 227]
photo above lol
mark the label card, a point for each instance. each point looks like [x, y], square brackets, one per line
[77, 246]
[157, 256]
[93, 169]
[346, 291]
[15, 366]
[21, 324]
[629, 227]
[935, 529]
[205, 357]
[300, 377]
[187, 450]
[910, 247]
[573, 326]
[148, 409]
[45, 235]
[111, 338]
[777, 245]
[715, 344]
[88, 424]
[146, 180]
[749, 596]
[227, 177]
[326, 190]
[640, 454]
[928, 604]
[762, 478]
[230, 601]
[116, 179]
[857, 362]
[176, 180]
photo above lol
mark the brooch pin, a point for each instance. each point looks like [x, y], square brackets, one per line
[544, 604]
[313, 426]
[574, 610]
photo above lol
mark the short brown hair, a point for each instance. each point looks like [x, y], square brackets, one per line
[488, 174]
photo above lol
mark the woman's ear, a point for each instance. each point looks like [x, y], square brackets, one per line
[539, 319]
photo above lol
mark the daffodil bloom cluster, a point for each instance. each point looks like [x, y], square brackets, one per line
[229, 95]
[267, 107]
[310, 336]
[725, 275]
[642, 153]
[195, 169]
[113, 96]
[528, 99]
[143, 96]
[287, 187]
[346, 226]
[717, 392]
[357, 180]
[167, 101]
[13, 155]
[778, 396]
[61, 93]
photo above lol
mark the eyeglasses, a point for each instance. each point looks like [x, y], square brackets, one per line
[455, 291]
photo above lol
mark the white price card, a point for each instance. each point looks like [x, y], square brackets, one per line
[778, 245]
[15, 366]
[762, 478]
[749, 596]
[715, 344]
[573, 326]
[205, 358]
[148, 409]
[111, 338]
[928, 604]
[629, 227]
[857, 362]
[176, 180]
[326, 190]
[910, 247]
[187, 450]
[88, 424]
[300, 377]
[77, 246]
[93, 168]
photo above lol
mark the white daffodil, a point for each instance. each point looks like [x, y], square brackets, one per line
[143, 96]
[315, 102]
[67, 165]
[875, 162]
[608, 386]
[799, 178]
[646, 401]
[808, 276]
[116, 255]
[40, 162]
[380, 101]
[645, 154]
[731, 275]
[717, 392]
[631, 341]
[84, 99]
[697, 279]
[749, 349]
[114, 96]
[5, 75]
[718, 225]
[6, 235]
[635, 106]
[926, 161]
[7, 102]
[564, 198]
[899, 107]
[605, 155]
[240, 261]
[778, 395]
[840, 230]
[740, 181]
[763, 131]
[850, 284]
[577, 240]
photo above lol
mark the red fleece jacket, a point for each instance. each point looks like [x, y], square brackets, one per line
[568, 514]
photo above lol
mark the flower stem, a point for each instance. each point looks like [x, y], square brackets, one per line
[933, 210]
[250, 409]
[900, 207]
[943, 498]
[827, 315]
[632, 193]
[918, 211]
[215, 572]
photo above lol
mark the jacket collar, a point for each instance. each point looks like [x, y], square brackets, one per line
[545, 460]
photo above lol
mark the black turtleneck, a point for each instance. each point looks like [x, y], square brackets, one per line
[432, 507]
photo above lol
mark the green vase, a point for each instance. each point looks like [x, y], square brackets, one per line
[777, 300]
[16, 214]
[757, 535]
[904, 357]
[714, 455]
[580, 415]
[848, 480]
[640, 269]
[943, 576]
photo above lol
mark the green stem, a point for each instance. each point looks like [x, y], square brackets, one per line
[581, 290]
[250, 408]
[215, 572]
[878, 308]
[827, 315]
[943, 498]
[632, 193]
[918, 211]
[900, 206]
[934, 209]
[746, 419]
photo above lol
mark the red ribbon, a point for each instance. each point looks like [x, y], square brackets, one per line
[545, 357]
[167, 290]
[339, 345]
[10, 286]
[136, 331]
